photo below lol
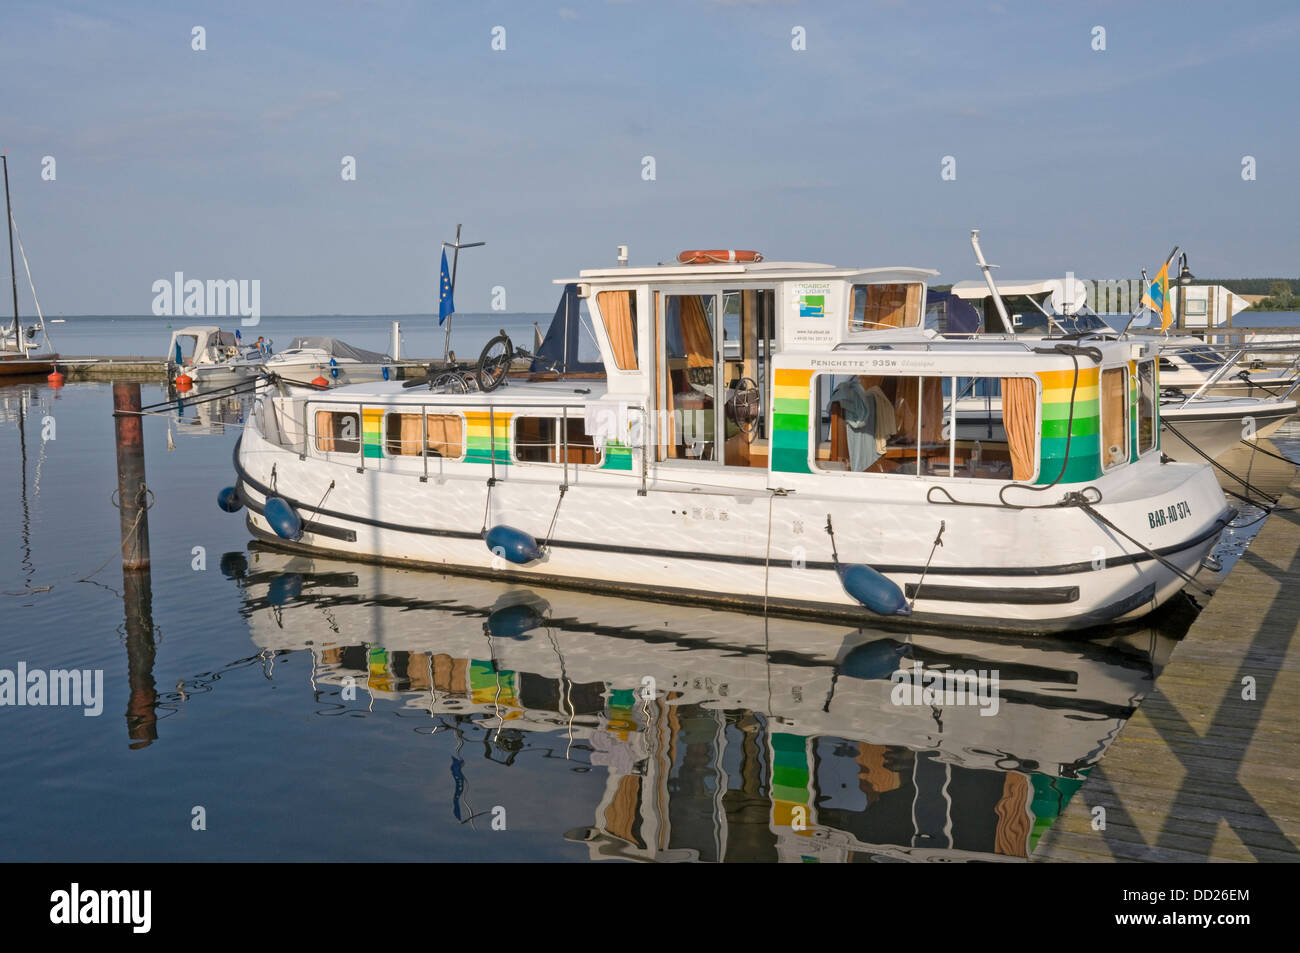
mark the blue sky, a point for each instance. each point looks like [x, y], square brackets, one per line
[226, 163]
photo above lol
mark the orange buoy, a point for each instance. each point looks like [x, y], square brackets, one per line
[55, 380]
[184, 382]
[319, 382]
[709, 256]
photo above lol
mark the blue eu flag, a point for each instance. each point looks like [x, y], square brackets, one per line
[445, 305]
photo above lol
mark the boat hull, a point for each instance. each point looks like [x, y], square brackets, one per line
[1218, 426]
[1031, 568]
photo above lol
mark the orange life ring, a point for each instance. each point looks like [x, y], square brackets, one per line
[698, 256]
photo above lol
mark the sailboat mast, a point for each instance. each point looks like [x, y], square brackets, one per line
[13, 274]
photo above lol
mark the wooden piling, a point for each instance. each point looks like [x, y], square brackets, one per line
[132, 492]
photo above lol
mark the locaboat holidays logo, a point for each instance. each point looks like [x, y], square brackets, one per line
[37, 688]
[103, 906]
[215, 298]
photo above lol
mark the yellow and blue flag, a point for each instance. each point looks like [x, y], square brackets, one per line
[445, 305]
[1156, 295]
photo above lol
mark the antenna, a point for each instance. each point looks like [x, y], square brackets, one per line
[455, 259]
[988, 277]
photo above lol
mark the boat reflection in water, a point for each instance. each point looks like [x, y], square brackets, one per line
[719, 736]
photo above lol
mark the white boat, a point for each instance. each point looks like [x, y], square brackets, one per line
[208, 355]
[1188, 363]
[754, 481]
[24, 349]
[307, 358]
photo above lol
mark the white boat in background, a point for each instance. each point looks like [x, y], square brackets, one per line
[339, 363]
[755, 479]
[208, 355]
[24, 350]
[1187, 363]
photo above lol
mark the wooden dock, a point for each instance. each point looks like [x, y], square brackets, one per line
[149, 369]
[1206, 770]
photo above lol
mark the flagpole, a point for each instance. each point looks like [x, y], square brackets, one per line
[455, 260]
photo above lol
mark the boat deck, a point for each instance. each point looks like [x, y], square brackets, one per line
[1199, 773]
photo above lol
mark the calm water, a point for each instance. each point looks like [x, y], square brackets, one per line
[327, 710]
[421, 336]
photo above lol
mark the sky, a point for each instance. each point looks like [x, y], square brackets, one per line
[226, 162]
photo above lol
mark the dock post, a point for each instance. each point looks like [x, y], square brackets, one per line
[131, 489]
[141, 706]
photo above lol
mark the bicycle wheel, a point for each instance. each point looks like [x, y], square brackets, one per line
[494, 363]
[450, 384]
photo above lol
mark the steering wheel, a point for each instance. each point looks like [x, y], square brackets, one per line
[745, 406]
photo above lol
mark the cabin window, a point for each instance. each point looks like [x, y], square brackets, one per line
[441, 435]
[338, 431]
[1114, 417]
[913, 425]
[618, 312]
[1148, 399]
[885, 306]
[552, 439]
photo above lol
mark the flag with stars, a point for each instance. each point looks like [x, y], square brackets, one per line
[445, 305]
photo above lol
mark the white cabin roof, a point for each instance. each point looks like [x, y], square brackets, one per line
[973, 290]
[673, 271]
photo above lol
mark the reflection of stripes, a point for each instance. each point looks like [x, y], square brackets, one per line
[480, 440]
[790, 777]
[790, 423]
[371, 427]
[1084, 425]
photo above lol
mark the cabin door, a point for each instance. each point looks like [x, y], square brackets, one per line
[713, 378]
[687, 377]
[749, 331]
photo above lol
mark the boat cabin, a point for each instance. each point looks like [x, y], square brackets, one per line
[202, 344]
[783, 374]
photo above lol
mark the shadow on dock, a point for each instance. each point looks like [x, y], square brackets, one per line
[1206, 769]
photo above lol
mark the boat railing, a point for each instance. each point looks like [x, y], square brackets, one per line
[1232, 359]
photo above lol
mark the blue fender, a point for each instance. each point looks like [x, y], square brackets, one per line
[513, 622]
[228, 499]
[284, 589]
[879, 594]
[513, 545]
[283, 518]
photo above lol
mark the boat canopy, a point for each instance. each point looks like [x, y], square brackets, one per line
[560, 346]
[339, 349]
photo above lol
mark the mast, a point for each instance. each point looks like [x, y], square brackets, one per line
[13, 275]
[455, 260]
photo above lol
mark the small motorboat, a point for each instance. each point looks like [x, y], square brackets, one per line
[208, 355]
[307, 358]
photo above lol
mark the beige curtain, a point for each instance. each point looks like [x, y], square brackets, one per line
[1020, 419]
[616, 312]
[325, 431]
[409, 435]
[891, 306]
[695, 332]
[445, 436]
[1114, 419]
